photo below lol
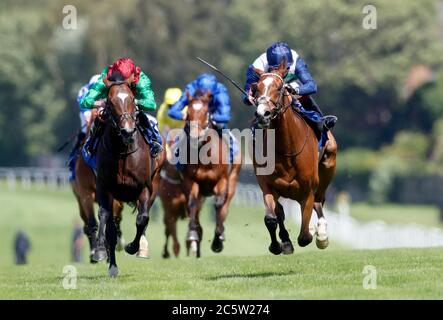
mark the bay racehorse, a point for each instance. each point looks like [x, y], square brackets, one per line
[298, 174]
[84, 189]
[125, 170]
[173, 197]
[206, 177]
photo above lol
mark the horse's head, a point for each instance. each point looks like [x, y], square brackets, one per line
[122, 109]
[198, 113]
[269, 94]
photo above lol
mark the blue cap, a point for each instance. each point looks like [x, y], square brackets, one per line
[277, 52]
[206, 82]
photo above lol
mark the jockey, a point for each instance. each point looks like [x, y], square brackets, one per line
[298, 79]
[144, 98]
[166, 123]
[219, 107]
[85, 120]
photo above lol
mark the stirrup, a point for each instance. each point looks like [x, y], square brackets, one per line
[329, 121]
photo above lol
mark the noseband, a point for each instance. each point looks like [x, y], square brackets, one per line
[279, 107]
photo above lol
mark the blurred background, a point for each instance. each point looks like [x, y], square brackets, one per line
[384, 84]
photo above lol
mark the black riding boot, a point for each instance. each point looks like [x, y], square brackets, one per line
[310, 104]
[94, 136]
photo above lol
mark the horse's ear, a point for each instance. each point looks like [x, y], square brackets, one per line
[107, 82]
[130, 80]
[282, 68]
[207, 96]
[188, 96]
[258, 71]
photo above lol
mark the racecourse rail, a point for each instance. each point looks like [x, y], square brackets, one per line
[342, 226]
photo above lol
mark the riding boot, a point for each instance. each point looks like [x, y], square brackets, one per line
[310, 104]
[151, 134]
[94, 136]
[73, 154]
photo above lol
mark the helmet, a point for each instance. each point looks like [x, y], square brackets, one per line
[206, 82]
[126, 68]
[277, 52]
[172, 95]
[93, 79]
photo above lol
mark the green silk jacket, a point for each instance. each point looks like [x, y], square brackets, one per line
[143, 93]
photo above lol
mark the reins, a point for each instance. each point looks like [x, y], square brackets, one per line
[281, 109]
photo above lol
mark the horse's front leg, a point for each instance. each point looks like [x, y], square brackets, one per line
[104, 214]
[221, 204]
[141, 221]
[286, 245]
[195, 231]
[271, 222]
[111, 238]
[307, 205]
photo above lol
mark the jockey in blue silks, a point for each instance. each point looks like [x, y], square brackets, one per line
[85, 121]
[219, 107]
[298, 82]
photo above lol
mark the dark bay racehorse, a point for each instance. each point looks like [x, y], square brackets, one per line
[209, 178]
[125, 171]
[298, 174]
[84, 189]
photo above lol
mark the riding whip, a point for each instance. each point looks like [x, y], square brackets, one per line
[224, 75]
[72, 136]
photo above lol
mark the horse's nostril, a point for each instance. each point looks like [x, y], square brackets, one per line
[267, 114]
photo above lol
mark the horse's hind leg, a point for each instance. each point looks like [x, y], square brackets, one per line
[286, 246]
[117, 210]
[326, 171]
[86, 208]
[141, 223]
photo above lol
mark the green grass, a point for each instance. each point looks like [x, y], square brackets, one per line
[427, 215]
[244, 270]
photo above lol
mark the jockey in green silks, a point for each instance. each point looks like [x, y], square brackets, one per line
[123, 68]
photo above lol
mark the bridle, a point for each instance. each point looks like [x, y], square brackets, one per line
[280, 109]
[114, 121]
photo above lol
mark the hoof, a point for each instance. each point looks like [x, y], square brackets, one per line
[217, 243]
[166, 255]
[100, 254]
[91, 257]
[131, 248]
[113, 271]
[304, 241]
[144, 254]
[287, 247]
[194, 248]
[275, 248]
[120, 244]
[322, 244]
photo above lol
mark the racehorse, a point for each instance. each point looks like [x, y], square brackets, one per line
[205, 179]
[298, 174]
[84, 189]
[125, 170]
[174, 200]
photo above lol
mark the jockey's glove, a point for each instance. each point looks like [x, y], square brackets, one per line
[292, 90]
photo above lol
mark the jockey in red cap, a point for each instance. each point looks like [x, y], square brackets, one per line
[124, 68]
